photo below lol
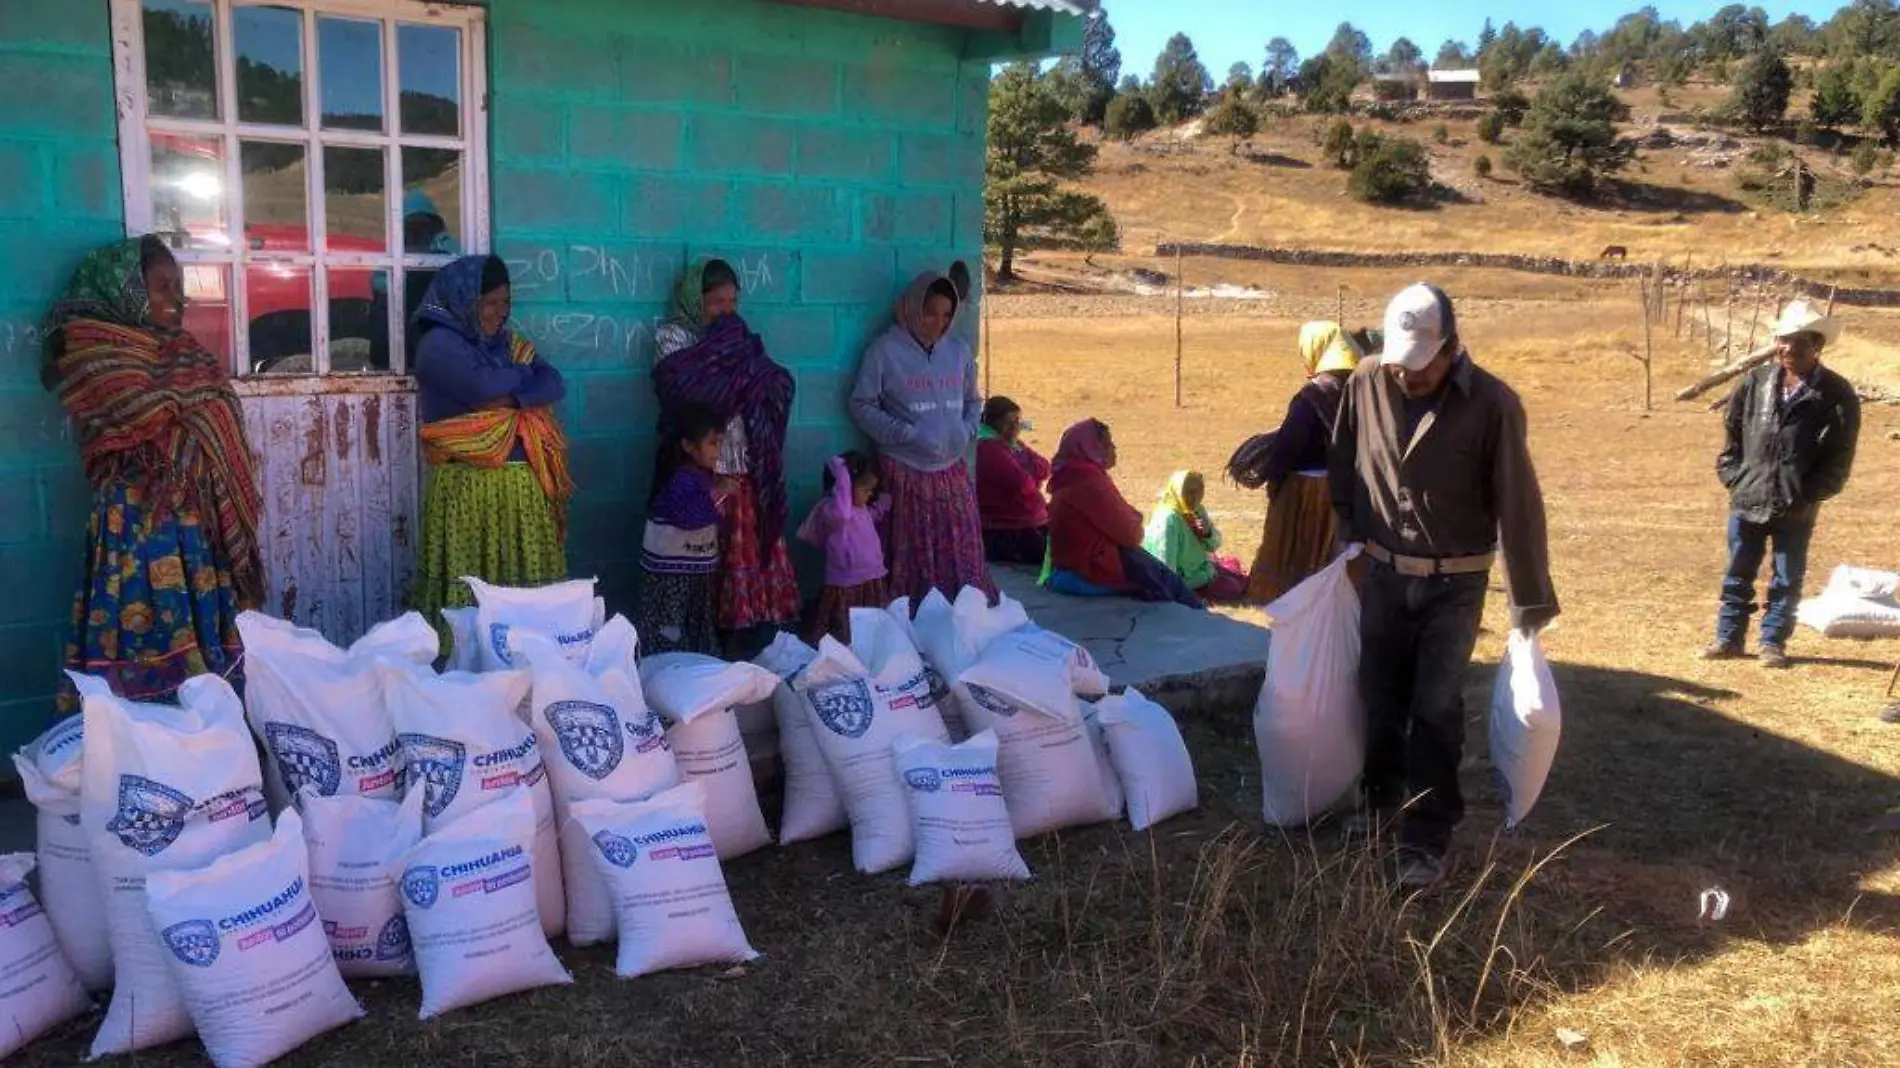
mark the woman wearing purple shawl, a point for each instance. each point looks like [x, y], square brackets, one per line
[709, 357]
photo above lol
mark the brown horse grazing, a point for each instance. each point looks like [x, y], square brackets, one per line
[1615, 252]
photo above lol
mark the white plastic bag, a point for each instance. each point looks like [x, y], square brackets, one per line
[462, 739]
[38, 990]
[322, 712]
[951, 636]
[1151, 758]
[248, 951]
[855, 721]
[1021, 688]
[697, 695]
[1114, 801]
[165, 788]
[1086, 677]
[563, 611]
[50, 773]
[812, 806]
[1841, 614]
[465, 644]
[1309, 722]
[1865, 583]
[957, 811]
[670, 899]
[599, 740]
[356, 846]
[1526, 723]
[468, 893]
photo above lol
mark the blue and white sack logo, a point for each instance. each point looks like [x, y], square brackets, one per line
[498, 641]
[991, 701]
[150, 815]
[619, 851]
[304, 758]
[393, 941]
[844, 707]
[438, 761]
[194, 941]
[589, 735]
[420, 886]
[925, 780]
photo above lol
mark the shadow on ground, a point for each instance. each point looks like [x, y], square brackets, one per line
[1641, 196]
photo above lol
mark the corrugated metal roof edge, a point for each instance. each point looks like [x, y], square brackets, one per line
[1083, 8]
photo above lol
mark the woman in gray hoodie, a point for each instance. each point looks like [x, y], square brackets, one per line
[917, 399]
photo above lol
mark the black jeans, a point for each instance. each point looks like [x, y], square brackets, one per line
[1416, 637]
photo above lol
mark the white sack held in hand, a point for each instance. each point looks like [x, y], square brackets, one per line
[1526, 722]
[38, 990]
[462, 739]
[1151, 758]
[697, 694]
[49, 770]
[813, 808]
[563, 611]
[950, 637]
[599, 740]
[957, 811]
[321, 711]
[165, 788]
[1309, 723]
[357, 845]
[248, 951]
[1021, 688]
[855, 722]
[670, 898]
[468, 892]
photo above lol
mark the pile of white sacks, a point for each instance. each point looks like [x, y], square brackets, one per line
[1858, 602]
[447, 825]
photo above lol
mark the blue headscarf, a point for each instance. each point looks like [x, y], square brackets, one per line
[454, 302]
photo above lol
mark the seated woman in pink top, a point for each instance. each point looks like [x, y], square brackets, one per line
[844, 525]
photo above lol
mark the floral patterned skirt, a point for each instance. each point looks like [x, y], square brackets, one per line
[932, 539]
[156, 605]
[751, 591]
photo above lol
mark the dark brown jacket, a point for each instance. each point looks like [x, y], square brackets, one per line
[1463, 485]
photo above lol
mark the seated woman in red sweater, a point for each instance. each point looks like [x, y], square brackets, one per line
[1009, 478]
[1095, 535]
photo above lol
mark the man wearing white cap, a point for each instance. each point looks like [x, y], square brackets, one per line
[1792, 426]
[1431, 472]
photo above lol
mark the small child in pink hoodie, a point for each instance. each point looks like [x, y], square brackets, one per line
[844, 525]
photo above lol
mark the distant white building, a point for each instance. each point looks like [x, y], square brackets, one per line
[1453, 84]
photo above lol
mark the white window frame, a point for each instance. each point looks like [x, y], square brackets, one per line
[136, 126]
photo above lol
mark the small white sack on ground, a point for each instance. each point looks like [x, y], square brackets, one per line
[599, 741]
[855, 722]
[1151, 758]
[1021, 688]
[38, 989]
[356, 846]
[1865, 582]
[671, 903]
[164, 789]
[468, 892]
[50, 773]
[1114, 801]
[1838, 614]
[697, 695]
[951, 637]
[322, 712]
[1309, 722]
[248, 951]
[1526, 723]
[957, 811]
[812, 807]
[564, 611]
[462, 738]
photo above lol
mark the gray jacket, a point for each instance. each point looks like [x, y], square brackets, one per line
[921, 408]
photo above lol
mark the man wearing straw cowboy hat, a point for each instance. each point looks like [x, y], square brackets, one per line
[1792, 425]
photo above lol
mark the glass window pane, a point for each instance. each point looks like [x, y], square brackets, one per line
[359, 319]
[269, 64]
[430, 59]
[415, 286]
[350, 66]
[181, 59]
[432, 201]
[188, 191]
[276, 197]
[208, 307]
[279, 296]
[354, 215]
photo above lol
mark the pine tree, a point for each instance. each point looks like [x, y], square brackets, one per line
[1762, 89]
[1181, 84]
[1032, 152]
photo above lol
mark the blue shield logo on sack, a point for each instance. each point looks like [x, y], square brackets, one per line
[844, 707]
[194, 941]
[589, 735]
[498, 641]
[393, 941]
[438, 762]
[992, 702]
[304, 758]
[925, 780]
[619, 851]
[150, 815]
[420, 886]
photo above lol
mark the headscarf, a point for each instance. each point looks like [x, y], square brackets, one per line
[1325, 346]
[454, 300]
[689, 298]
[1083, 443]
[910, 306]
[153, 404]
[1174, 498]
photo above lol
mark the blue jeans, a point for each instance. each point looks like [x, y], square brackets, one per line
[1748, 543]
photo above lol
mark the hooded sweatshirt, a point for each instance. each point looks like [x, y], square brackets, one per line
[922, 408]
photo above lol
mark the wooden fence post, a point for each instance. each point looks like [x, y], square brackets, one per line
[1649, 353]
[1180, 307]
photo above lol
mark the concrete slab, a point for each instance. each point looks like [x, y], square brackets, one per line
[1188, 661]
